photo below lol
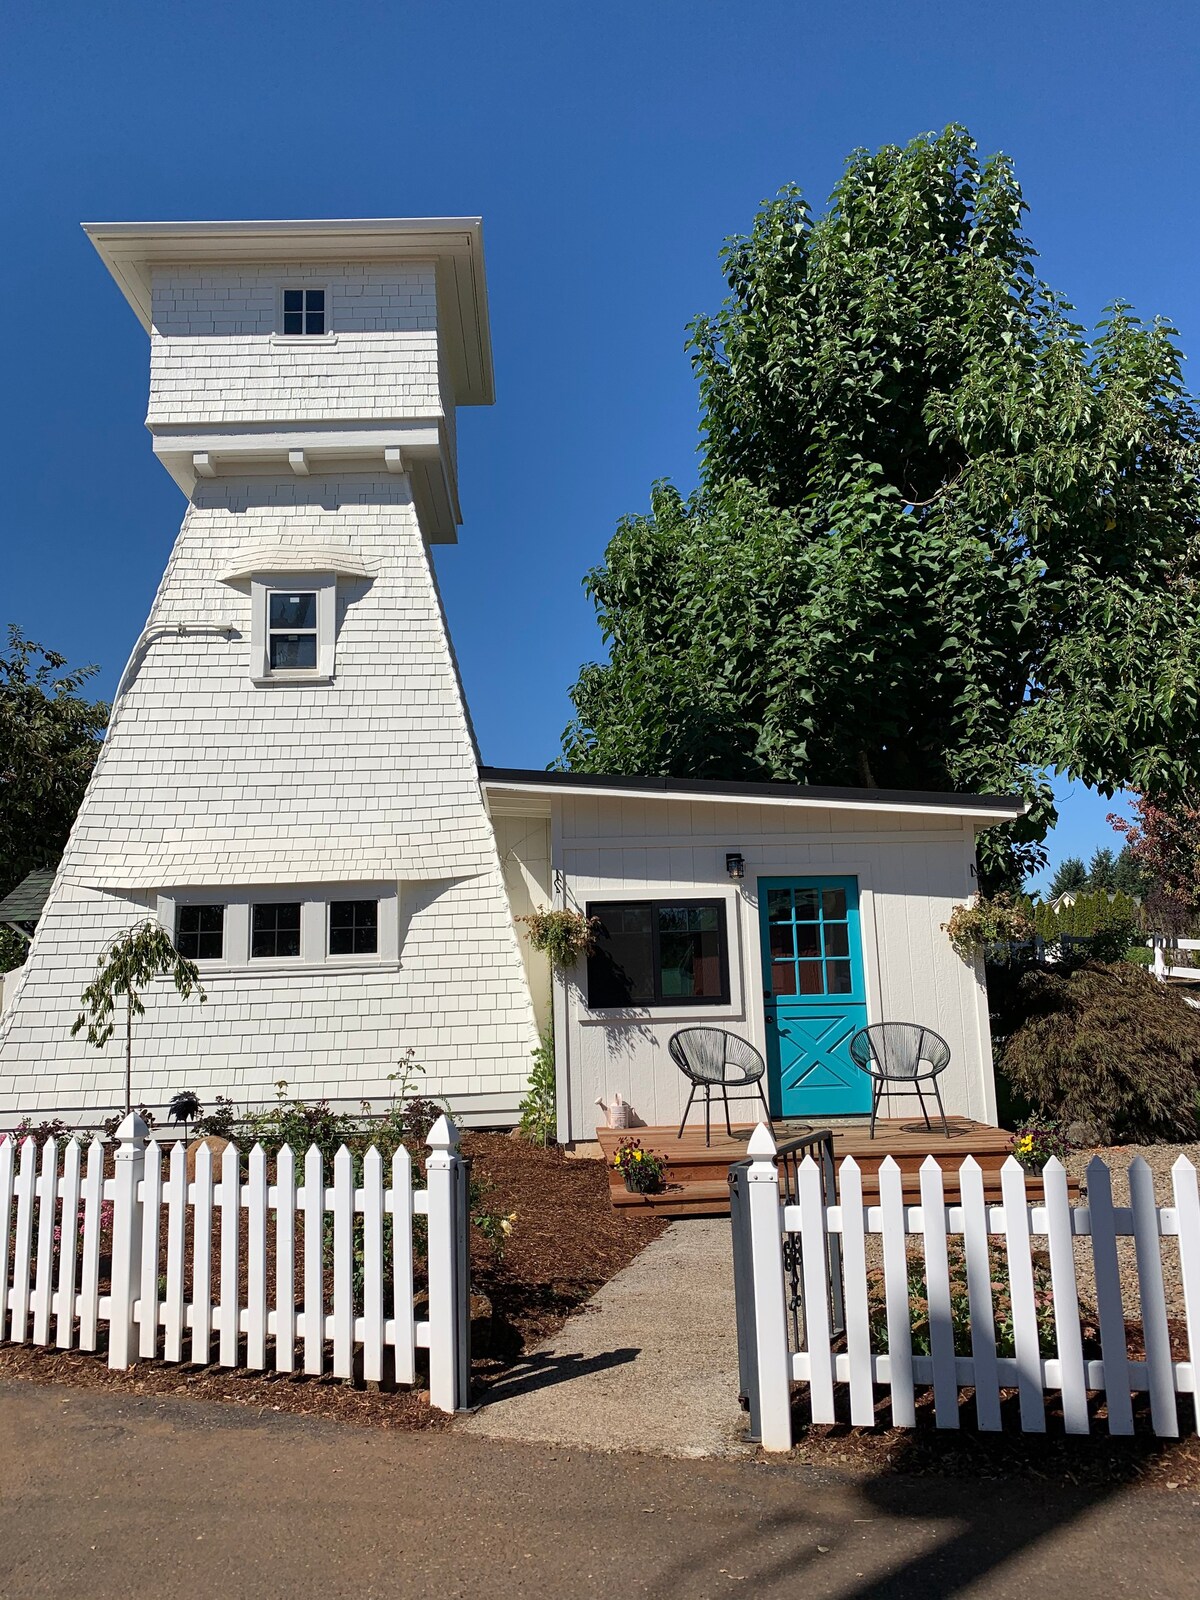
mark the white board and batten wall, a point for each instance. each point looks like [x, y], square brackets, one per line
[912, 868]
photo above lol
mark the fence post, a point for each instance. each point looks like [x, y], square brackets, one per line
[770, 1307]
[449, 1279]
[126, 1238]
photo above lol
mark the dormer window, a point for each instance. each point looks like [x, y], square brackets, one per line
[304, 312]
[293, 620]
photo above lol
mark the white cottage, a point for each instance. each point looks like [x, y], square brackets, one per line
[290, 781]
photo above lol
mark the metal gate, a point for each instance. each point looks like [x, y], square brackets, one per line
[789, 1156]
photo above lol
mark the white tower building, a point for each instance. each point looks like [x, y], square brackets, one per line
[289, 780]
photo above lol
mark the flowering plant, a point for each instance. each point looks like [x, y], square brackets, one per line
[643, 1172]
[1035, 1142]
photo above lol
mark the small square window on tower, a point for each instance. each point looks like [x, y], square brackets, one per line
[304, 312]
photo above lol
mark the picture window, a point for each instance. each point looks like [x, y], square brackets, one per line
[658, 953]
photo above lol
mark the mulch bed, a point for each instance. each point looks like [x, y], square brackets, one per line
[567, 1241]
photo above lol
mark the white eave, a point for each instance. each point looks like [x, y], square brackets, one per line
[131, 251]
[982, 810]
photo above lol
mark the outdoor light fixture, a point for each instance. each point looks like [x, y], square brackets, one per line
[735, 865]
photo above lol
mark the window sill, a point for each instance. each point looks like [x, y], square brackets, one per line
[280, 680]
[291, 966]
[639, 1016]
[297, 340]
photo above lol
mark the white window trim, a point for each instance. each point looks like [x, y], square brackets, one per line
[262, 586]
[314, 954]
[327, 337]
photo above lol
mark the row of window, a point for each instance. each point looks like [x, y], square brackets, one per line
[352, 929]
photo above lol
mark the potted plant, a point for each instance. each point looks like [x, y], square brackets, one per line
[643, 1171]
[563, 935]
[1036, 1140]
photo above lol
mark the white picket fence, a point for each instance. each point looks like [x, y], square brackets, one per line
[55, 1228]
[1018, 1222]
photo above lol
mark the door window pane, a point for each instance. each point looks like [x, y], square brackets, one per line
[779, 905]
[200, 932]
[275, 930]
[783, 942]
[838, 977]
[808, 905]
[808, 939]
[837, 939]
[783, 977]
[353, 927]
[811, 977]
[834, 904]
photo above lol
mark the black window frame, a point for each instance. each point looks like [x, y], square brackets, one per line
[354, 930]
[276, 906]
[597, 908]
[183, 935]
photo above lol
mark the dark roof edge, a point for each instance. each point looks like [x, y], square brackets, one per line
[765, 791]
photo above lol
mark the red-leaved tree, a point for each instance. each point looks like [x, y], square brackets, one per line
[1164, 839]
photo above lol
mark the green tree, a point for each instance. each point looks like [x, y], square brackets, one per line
[1070, 874]
[944, 539]
[49, 739]
[1129, 876]
[124, 967]
[1102, 870]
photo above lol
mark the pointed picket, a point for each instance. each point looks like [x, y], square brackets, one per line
[404, 1331]
[68, 1247]
[151, 1240]
[343, 1264]
[285, 1260]
[1187, 1207]
[175, 1299]
[230, 1202]
[1109, 1307]
[857, 1312]
[937, 1290]
[202, 1220]
[899, 1312]
[8, 1150]
[256, 1259]
[47, 1223]
[816, 1291]
[372, 1266]
[1020, 1279]
[89, 1277]
[23, 1240]
[313, 1202]
[1068, 1335]
[1164, 1413]
[985, 1373]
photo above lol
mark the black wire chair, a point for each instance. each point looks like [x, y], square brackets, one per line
[902, 1055]
[712, 1059]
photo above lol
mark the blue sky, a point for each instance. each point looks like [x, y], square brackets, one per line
[609, 147]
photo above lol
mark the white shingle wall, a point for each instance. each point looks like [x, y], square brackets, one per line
[208, 780]
[214, 360]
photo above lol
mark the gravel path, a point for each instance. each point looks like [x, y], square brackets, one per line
[650, 1363]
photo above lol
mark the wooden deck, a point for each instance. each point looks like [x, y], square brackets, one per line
[697, 1177]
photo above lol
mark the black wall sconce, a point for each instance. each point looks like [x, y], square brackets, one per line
[735, 865]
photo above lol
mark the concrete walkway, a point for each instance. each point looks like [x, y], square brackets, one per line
[650, 1363]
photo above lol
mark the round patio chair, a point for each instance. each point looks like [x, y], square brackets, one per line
[712, 1059]
[901, 1055]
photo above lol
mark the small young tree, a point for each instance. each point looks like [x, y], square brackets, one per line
[124, 967]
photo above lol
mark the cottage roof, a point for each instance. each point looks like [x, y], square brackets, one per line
[25, 903]
[984, 809]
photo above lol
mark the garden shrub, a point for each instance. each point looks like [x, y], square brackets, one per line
[1105, 1049]
[960, 1304]
[539, 1114]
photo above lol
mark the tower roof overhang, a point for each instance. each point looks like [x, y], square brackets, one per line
[132, 250]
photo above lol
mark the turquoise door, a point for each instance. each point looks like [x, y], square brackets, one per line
[815, 995]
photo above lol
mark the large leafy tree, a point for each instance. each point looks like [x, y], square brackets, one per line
[49, 739]
[944, 538]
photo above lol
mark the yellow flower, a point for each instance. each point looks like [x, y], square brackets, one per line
[637, 1155]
